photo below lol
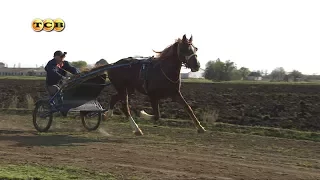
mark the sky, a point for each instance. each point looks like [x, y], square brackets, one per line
[258, 34]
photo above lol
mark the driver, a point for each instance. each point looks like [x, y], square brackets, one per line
[57, 69]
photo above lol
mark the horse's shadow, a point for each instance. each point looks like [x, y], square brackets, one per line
[50, 139]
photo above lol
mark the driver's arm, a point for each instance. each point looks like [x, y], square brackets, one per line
[70, 68]
[51, 70]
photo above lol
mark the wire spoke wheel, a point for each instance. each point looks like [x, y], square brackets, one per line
[42, 116]
[91, 120]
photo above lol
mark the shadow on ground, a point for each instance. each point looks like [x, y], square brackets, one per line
[3, 131]
[49, 140]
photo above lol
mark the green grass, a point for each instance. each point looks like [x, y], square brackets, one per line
[249, 82]
[232, 128]
[266, 131]
[22, 77]
[221, 127]
[268, 82]
[255, 130]
[19, 172]
[197, 80]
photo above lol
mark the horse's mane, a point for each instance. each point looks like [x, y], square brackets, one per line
[167, 52]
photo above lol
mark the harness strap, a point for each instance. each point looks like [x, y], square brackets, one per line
[174, 82]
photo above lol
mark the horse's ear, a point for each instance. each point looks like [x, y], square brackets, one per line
[184, 38]
[191, 38]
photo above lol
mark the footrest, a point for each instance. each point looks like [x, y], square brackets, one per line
[89, 106]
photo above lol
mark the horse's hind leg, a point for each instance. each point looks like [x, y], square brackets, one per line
[126, 110]
[114, 99]
[155, 106]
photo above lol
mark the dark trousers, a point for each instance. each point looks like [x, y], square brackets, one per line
[52, 90]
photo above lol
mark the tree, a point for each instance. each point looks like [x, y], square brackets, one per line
[79, 64]
[244, 72]
[263, 72]
[286, 78]
[229, 68]
[236, 75]
[209, 71]
[218, 68]
[220, 71]
[295, 74]
[278, 74]
[214, 70]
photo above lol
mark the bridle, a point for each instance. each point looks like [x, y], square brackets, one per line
[184, 62]
[186, 58]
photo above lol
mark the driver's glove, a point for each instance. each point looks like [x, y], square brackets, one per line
[64, 80]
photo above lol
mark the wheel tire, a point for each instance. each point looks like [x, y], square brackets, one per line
[85, 124]
[35, 124]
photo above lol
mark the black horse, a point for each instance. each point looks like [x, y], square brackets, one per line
[157, 78]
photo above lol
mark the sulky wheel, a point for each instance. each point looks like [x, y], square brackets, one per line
[42, 116]
[91, 120]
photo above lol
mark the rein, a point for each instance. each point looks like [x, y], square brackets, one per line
[174, 82]
[71, 73]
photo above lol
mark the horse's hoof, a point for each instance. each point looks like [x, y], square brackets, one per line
[138, 133]
[104, 117]
[145, 115]
[201, 130]
[109, 113]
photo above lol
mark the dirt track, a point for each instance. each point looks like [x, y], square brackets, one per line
[163, 153]
[245, 104]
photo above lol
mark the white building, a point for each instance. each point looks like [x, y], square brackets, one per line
[193, 75]
[254, 76]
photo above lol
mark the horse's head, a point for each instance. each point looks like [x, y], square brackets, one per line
[187, 54]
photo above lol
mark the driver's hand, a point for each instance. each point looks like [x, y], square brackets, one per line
[64, 80]
[76, 75]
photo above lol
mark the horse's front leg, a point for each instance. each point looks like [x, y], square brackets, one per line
[180, 99]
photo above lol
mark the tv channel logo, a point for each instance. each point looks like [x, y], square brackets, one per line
[48, 25]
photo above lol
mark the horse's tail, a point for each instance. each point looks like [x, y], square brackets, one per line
[158, 52]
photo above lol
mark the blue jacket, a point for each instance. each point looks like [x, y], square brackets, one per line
[55, 74]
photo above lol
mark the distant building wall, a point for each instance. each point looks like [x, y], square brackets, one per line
[22, 71]
[184, 75]
[197, 75]
[254, 78]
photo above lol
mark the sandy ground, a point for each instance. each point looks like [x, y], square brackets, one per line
[162, 153]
